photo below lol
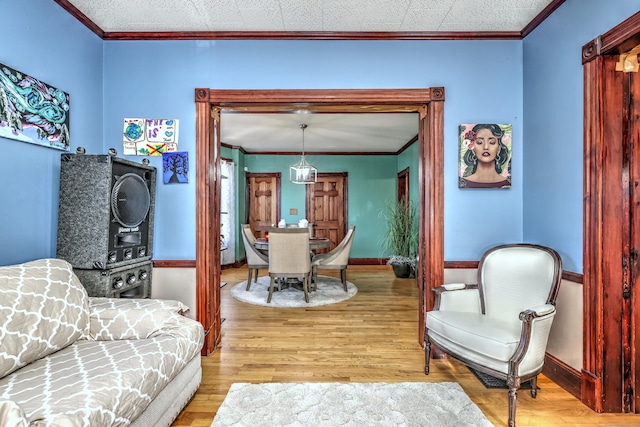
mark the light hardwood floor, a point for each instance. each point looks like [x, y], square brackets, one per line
[372, 337]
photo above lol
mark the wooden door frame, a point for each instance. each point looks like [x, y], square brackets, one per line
[428, 102]
[345, 195]
[604, 200]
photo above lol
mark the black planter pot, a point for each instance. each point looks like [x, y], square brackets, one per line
[402, 271]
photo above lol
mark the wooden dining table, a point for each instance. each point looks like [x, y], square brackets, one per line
[315, 243]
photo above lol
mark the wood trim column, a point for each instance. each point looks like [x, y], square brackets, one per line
[207, 253]
[592, 249]
[431, 199]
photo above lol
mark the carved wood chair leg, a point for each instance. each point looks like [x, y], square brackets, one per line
[427, 354]
[270, 289]
[343, 276]
[534, 387]
[255, 275]
[512, 406]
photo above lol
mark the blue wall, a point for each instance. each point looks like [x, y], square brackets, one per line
[553, 125]
[40, 39]
[482, 79]
[485, 81]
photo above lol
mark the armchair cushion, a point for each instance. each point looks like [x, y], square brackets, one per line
[459, 299]
[481, 335]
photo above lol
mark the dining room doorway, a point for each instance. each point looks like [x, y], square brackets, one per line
[427, 102]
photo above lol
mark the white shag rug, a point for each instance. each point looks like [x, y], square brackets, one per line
[352, 404]
[330, 291]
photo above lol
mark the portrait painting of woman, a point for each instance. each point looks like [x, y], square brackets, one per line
[485, 156]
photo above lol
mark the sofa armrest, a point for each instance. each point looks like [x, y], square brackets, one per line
[121, 319]
[12, 415]
[457, 297]
[101, 303]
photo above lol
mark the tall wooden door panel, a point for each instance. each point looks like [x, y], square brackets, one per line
[263, 201]
[327, 207]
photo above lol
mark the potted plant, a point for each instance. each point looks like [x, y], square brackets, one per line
[401, 237]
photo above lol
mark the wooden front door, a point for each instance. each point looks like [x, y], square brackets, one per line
[327, 207]
[263, 201]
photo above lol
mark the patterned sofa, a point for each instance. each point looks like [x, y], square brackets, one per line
[67, 359]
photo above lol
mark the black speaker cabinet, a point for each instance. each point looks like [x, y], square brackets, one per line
[128, 281]
[105, 215]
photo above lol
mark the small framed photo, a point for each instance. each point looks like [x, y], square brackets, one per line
[484, 159]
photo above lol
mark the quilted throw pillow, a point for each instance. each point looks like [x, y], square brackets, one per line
[43, 308]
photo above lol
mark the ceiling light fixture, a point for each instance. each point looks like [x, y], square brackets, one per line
[303, 172]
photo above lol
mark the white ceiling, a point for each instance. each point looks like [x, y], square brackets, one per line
[310, 15]
[326, 132]
[334, 133]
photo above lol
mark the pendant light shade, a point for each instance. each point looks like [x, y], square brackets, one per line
[303, 172]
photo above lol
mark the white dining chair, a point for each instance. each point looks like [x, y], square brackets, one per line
[255, 259]
[289, 257]
[338, 258]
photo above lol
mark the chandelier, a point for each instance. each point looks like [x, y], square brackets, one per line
[303, 172]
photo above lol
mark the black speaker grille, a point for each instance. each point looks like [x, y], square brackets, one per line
[130, 200]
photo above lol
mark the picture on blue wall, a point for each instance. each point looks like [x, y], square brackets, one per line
[484, 159]
[175, 167]
[33, 111]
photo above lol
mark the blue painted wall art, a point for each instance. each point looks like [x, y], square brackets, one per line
[175, 167]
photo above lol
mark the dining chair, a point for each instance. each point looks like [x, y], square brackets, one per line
[255, 259]
[499, 326]
[337, 258]
[289, 257]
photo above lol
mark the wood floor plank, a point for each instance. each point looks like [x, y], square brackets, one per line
[371, 337]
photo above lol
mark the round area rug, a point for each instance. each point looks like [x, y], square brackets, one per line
[329, 291]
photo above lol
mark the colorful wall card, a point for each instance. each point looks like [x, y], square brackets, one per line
[160, 130]
[149, 137]
[175, 167]
[33, 111]
[134, 130]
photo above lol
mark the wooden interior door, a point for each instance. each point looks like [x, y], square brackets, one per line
[263, 201]
[403, 186]
[327, 207]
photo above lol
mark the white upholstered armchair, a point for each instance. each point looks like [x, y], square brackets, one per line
[501, 325]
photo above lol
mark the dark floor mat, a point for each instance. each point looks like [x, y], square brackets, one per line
[492, 382]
